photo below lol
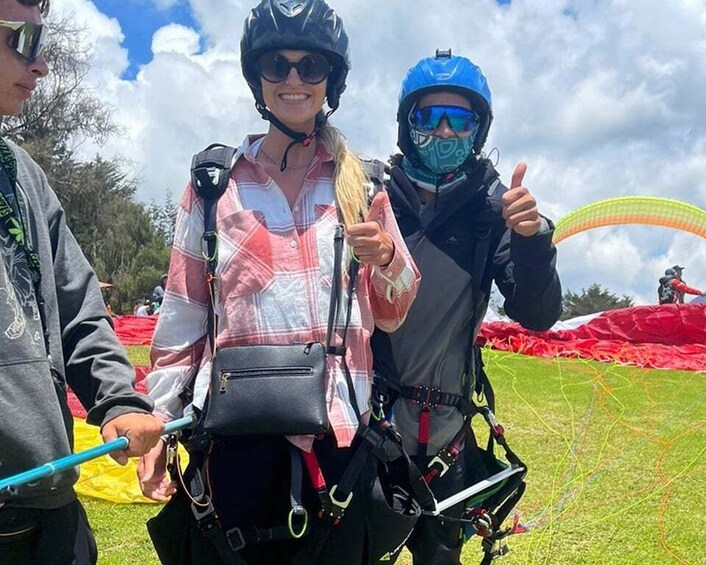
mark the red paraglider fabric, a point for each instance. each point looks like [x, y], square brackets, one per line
[669, 336]
[135, 330]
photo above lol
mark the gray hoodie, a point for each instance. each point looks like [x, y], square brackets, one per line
[35, 423]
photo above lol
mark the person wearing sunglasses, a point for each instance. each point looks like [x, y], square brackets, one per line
[465, 230]
[54, 331]
[288, 193]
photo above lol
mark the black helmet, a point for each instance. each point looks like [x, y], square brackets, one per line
[310, 25]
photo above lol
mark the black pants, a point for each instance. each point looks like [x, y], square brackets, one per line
[58, 537]
[250, 482]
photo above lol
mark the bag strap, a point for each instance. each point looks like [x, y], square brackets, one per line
[210, 173]
[334, 311]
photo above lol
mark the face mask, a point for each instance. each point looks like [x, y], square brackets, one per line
[441, 155]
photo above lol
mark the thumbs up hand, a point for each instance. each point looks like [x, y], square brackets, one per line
[368, 240]
[519, 207]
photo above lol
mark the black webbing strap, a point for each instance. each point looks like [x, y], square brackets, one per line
[207, 519]
[432, 397]
[228, 542]
[334, 311]
[210, 174]
[480, 258]
[297, 511]
[516, 488]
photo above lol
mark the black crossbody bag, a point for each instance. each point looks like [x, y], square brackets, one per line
[262, 389]
[276, 389]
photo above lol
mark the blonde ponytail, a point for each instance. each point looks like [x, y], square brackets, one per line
[349, 178]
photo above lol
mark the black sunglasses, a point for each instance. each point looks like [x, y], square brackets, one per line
[43, 5]
[313, 68]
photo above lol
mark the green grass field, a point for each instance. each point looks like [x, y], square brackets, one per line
[616, 458]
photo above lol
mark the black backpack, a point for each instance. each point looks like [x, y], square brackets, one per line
[665, 291]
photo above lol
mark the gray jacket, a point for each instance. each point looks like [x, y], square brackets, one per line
[35, 422]
[433, 346]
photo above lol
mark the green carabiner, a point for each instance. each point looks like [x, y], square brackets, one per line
[290, 523]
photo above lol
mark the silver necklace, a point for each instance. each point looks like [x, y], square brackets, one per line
[273, 162]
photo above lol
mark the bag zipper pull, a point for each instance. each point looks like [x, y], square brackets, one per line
[224, 382]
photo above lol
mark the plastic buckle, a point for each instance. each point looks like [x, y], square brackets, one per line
[240, 539]
[443, 459]
[338, 507]
[207, 518]
[427, 397]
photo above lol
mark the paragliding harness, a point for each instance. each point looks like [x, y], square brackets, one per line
[490, 501]
[666, 293]
[394, 489]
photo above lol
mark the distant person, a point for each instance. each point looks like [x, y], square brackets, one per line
[672, 288]
[144, 310]
[158, 292]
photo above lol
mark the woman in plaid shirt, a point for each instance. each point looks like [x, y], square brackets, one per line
[288, 191]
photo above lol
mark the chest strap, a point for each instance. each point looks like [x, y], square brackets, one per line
[428, 399]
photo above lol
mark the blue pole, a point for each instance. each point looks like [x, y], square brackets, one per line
[10, 484]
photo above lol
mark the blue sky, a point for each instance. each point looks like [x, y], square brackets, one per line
[139, 19]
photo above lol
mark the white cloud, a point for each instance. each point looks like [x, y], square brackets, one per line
[600, 98]
[175, 38]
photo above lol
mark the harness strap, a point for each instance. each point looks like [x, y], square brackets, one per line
[448, 455]
[298, 512]
[228, 542]
[433, 397]
[423, 433]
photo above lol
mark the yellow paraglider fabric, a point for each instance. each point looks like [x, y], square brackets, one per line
[103, 478]
[644, 210]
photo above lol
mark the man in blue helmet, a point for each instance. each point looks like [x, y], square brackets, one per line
[465, 230]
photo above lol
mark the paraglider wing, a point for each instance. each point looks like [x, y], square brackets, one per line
[645, 210]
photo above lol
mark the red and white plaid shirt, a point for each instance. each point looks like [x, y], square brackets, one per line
[275, 265]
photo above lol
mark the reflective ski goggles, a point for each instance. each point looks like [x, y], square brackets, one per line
[27, 38]
[428, 119]
[313, 68]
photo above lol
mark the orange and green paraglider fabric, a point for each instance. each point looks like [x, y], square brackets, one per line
[645, 210]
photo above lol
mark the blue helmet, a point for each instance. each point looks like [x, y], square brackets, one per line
[444, 72]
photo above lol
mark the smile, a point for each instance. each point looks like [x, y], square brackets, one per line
[294, 97]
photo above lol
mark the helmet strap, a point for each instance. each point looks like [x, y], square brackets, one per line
[297, 136]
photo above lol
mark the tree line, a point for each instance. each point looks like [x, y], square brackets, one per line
[127, 242]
